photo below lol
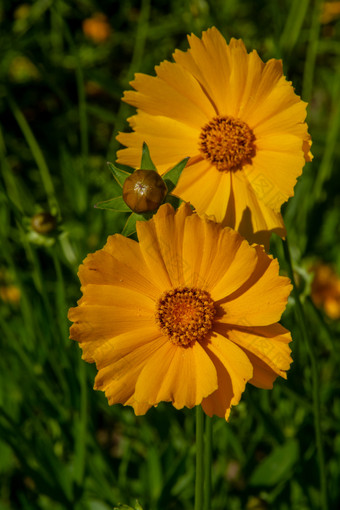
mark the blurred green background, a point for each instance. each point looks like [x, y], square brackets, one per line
[64, 66]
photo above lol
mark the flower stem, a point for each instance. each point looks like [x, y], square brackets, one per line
[199, 459]
[300, 315]
[207, 463]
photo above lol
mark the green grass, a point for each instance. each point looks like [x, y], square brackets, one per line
[62, 446]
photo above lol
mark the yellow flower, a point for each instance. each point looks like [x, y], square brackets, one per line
[326, 290]
[237, 118]
[97, 28]
[330, 11]
[188, 315]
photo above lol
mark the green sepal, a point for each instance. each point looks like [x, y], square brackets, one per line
[171, 177]
[118, 174]
[130, 225]
[114, 204]
[146, 163]
[172, 200]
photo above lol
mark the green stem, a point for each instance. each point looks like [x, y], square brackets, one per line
[312, 50]
[37, 154]
[207, 463]
[315, 379]
[199, 459]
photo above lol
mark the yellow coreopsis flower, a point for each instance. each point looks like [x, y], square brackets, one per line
[237, 118]
[188, 315]
[325, 290]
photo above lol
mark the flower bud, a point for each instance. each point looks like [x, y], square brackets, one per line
[144, 191]
[43, 222]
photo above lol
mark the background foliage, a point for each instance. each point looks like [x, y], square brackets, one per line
[61, 80]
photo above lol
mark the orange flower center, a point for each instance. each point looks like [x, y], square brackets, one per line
[228, 143]
[185, 315]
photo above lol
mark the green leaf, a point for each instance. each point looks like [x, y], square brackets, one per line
[146, 163]
[172, 176]
[126, 507]
[277, 466]
[130, 225]
[114, 204]
[118, 174]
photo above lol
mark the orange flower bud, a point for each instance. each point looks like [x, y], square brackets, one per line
[144, 191]
[43, 223]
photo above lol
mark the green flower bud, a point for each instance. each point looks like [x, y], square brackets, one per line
[43, 222]
[144, 191]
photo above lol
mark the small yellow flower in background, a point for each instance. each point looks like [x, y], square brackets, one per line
[97, 28]
[22, 11]
[237, 118]
[325, 291]
[22, 70]
[329, 12]
[188, 315]
[10, 294]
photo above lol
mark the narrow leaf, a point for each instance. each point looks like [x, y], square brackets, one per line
[118, 174]
[277, 466]
[146, 163]
[172, 176]
[130, 225]
[114, 204]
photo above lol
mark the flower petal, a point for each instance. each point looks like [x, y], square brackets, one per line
[126, 270]
[181, 375]
[262, 299]
[121, 360]
[95, 324]
[246, 212]
[269, 344]
[208, 61]
[275, 169]
[169, 228]
[210, 188]
[239, 369]
[173, 93]
[169, 141]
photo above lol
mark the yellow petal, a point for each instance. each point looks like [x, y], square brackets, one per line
[207, 188]
[219, 402]
[269, 344]
[173, 93]
[288, 120]
[273, 174]
[208, 61]
[112, 295]
[128, 272]
[168, 141]
[263, 376]
[152, 253]
[238, 368]
[246, 212]
[240, 261]
[253, 79]
[121, 361]
[169, 231]
[95, 324]
[181, 375]
[262, 299]
[185, 84]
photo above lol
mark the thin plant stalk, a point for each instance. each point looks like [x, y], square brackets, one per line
[300, 316]
[199, 459]
[207, 463]
[37, 154]
[312, 50]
